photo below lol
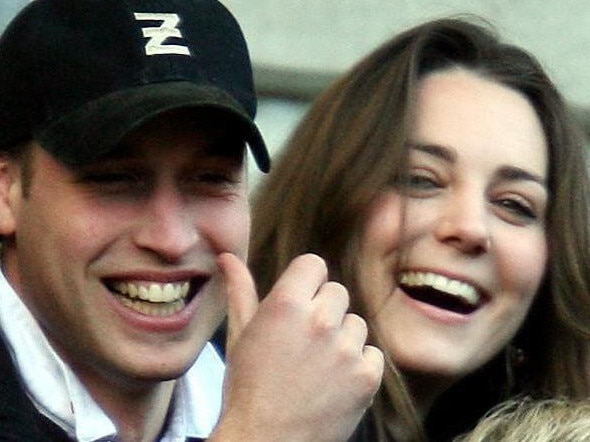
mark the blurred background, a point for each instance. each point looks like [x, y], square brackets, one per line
[300, 46]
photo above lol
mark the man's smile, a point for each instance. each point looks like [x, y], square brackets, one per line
[156, 298]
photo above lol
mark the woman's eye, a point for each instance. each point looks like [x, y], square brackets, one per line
[515, 207]
[418, 184]
[415, 183]
[418, 181]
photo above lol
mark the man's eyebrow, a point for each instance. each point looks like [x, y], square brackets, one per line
[436, 150]
[228, 146]
[120, 152]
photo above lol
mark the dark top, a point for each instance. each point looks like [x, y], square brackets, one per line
[458, 410]
[19, 418]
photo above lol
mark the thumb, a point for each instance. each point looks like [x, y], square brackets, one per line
[241, 296]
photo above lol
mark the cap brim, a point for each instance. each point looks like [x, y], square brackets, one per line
[86, 134]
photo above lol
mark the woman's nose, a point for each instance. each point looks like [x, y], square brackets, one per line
[464, 224]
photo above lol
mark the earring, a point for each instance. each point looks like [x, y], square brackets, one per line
[515, 358]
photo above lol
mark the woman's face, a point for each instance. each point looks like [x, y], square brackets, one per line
[447, 288]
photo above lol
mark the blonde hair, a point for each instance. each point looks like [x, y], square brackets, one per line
[527, 420]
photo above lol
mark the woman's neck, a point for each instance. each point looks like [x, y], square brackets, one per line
[425, 390]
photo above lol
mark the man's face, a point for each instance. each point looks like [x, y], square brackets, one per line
[117, 259]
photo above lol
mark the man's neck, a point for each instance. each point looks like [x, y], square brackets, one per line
[138, 411]
[139, 416]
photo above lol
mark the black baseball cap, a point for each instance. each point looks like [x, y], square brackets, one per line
[78, 75]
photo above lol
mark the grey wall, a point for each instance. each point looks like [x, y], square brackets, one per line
[298, 46]
[8, 9]
[309, 41]
[327, 36]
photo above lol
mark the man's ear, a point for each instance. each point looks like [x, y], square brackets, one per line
[10, 194]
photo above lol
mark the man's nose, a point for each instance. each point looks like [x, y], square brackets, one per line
[168, 226]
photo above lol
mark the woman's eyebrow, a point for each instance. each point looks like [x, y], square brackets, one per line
[441, 152]
[514, 173]
[506, 172]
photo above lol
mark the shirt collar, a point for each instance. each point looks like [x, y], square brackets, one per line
[58, 394]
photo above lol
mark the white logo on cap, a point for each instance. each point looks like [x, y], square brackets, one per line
[157, 36]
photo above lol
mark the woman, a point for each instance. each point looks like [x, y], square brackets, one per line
[444, 184]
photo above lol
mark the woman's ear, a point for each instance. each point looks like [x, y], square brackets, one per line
[10, 193]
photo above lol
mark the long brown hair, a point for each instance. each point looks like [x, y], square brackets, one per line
[351, 145]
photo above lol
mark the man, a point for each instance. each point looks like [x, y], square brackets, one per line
[124, 223]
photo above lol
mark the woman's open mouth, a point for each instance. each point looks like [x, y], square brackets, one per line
[441, 292]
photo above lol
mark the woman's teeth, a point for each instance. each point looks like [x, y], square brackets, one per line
[466, 292]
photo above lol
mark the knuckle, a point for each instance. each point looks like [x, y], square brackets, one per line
[330, 305]
[311, 260]
[358, 323]
[369, 381]
[370, 373]
[322, 326]
[337, 292]
[375, 363]
[285, 302]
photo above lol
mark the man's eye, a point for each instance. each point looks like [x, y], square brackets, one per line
[210, 182]
[115, 182]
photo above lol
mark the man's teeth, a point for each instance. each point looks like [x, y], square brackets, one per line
[157, 293]
[159, 309]
[162, 299]
[443, 284]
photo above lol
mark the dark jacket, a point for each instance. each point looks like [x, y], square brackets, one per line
[19, 419]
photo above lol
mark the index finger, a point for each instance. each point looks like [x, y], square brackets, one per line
[303, 277]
